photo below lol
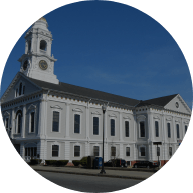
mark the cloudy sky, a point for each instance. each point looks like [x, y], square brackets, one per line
[113, 48]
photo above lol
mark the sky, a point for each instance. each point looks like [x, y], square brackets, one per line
[113, 48]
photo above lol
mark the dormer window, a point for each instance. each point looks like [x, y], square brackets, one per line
[43, 45]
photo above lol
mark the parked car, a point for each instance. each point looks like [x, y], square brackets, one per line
[116, 163]
[146, 164]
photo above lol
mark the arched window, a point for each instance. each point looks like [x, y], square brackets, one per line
[20, 89]
[43, 45]
[19, 121]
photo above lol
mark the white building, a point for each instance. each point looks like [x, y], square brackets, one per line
[52, 120]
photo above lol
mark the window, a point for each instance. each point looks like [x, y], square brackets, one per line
[95, 126]
[43, 45]
[55, 123]
[55, 150]
[156, 129]
[96, 151]
[16, 92]
[29, 46]
[186, 128]
[169, 130]
[112, 127]
[32, 122]
[31, 151]
[23, 89]
[6, 123]
[127, 151]
[76, 123]
[76, 151]
[158, 151]
[127, 128]
[170, 151]
[19, 123]
[20, 89]
[142, 129]
[142, 151]
[178, 130]
[113, 151]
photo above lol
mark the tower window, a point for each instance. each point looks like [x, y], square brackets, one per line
[29, 46]
[20, 89]
[43, 45]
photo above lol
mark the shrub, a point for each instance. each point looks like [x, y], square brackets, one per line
[35, 161]
[83, 161]
[76, 162]
[56, 162]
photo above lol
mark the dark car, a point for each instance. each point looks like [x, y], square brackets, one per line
[145, 164]
[116, 163]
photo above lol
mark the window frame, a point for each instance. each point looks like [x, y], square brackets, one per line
[169, 130]
[114, 127]
[126, 129]
[140, 154]
[58, 151]
[76, 145]
[98, 150]
[177, 131]
[59, 122]
[95, 125]
[156, 128]
[128, 147]
[112, 155]
[143, 121]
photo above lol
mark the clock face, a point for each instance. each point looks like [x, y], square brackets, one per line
[25, 65]
[43, 64]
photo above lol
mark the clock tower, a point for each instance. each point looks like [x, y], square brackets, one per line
[37, 62]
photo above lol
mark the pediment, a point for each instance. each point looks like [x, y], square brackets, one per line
[31, 107]
[77, 110]
[30, 87]
[156, 117]
[56, 107]
[95, 113]
[127, 117]
[113, 115]
[179, 105]
[6, 114]
[141, 117]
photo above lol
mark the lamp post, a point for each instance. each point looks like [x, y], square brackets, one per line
[104, 108]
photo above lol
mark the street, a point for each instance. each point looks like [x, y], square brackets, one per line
[85, 183]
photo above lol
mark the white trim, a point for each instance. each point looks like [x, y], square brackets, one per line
[97, 116]
[56, 107]
[55, 143]
[80, 154]
[140, 150]
[80, 125]
[59, 126]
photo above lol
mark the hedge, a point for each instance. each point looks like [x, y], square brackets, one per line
[83, 161]
[56, 162]
[76, 162]
[35, 161]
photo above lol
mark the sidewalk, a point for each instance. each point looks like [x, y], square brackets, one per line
[138, 175]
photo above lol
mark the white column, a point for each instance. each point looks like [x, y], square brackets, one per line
[87, 122]
[163, 137]
[67, 120]
[67, 151]
[23, 121]
[12, 123]
[121, 127]
[41, 118]
[174, 127]
[135, 128]
[22, 151]
[121, 151]
[135, 152]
